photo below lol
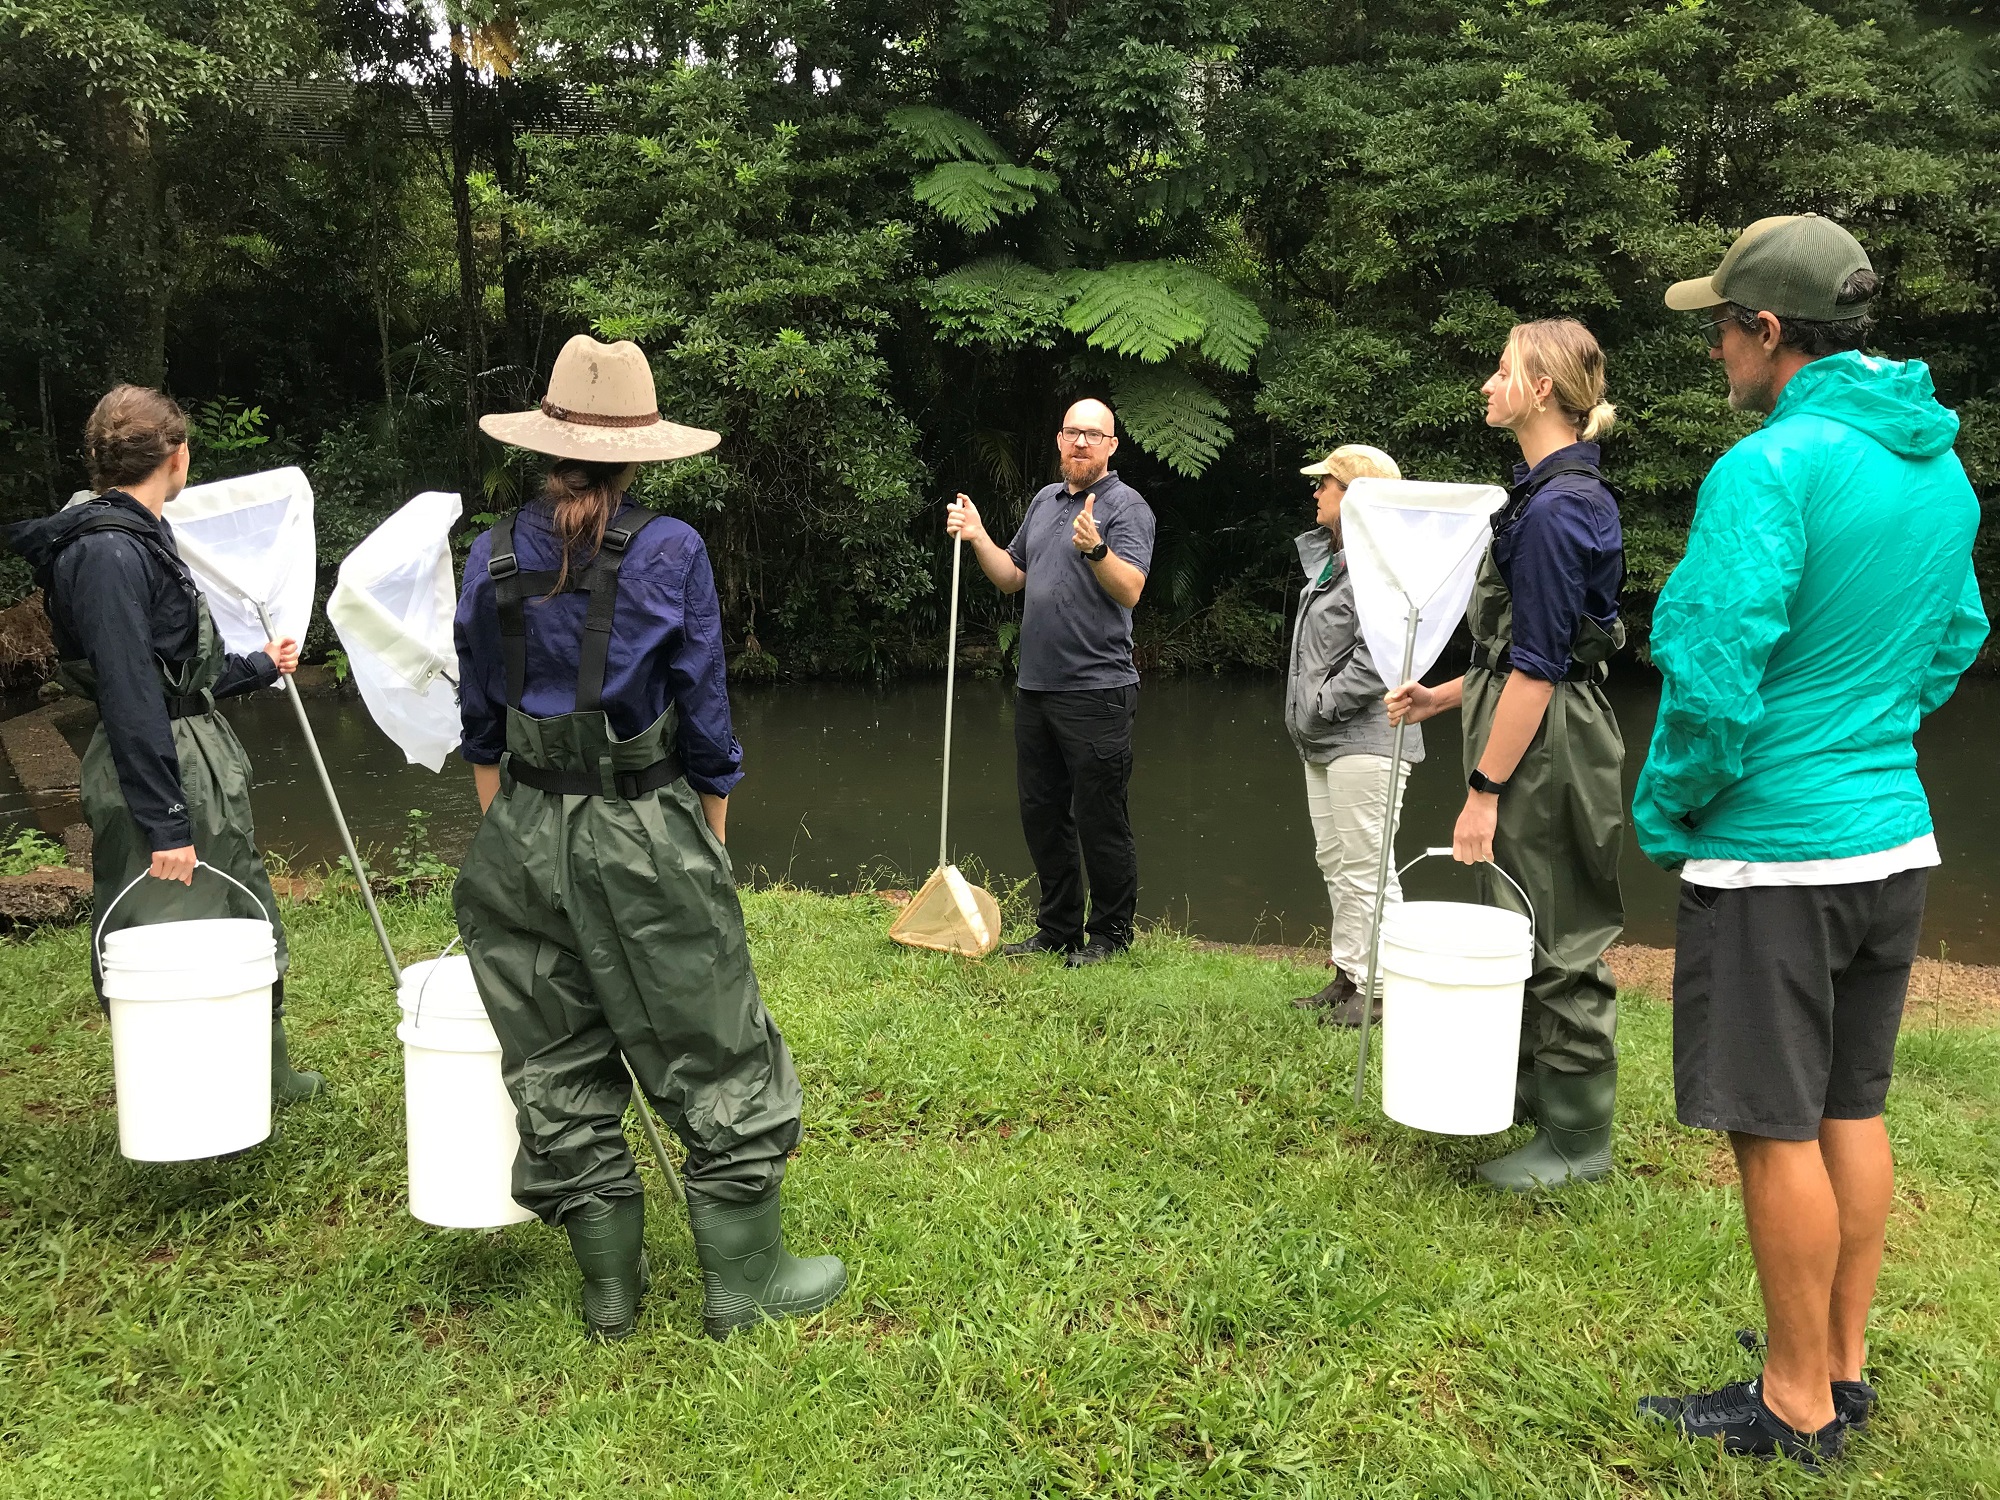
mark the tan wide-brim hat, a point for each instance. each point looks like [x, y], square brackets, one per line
[601, 408]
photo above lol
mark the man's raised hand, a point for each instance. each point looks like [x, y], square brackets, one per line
[961, 519]
[1083, 530]
[284, 654]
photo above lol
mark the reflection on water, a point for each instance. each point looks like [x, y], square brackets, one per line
[842, 783]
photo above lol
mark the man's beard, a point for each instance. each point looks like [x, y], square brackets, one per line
[1082, 470]
[1746, 396]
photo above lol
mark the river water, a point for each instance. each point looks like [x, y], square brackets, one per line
[841, 787]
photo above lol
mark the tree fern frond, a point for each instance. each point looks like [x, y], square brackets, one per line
[973, 195]
[1131, 309]
[1232, 328]
[938, 134]
[1148, 309]
[1172, 415]
[998, 300]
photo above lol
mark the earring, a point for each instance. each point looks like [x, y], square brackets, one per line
[1539, 406]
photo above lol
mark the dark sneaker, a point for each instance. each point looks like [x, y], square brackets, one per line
[1348, 1012]
[1853, 1400]
[1034, 945]
[1853, 1403]
[1093, 952]
[1737, 1416]
[1328, 998]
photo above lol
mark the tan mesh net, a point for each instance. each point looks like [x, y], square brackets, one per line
[950, 915]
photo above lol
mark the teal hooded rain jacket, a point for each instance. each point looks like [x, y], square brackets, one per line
[1826, 604]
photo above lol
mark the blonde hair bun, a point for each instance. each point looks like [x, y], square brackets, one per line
[1602, 418]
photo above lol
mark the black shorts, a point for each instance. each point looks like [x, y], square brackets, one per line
[1787, 1000]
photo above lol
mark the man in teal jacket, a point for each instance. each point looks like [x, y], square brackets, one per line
[1826, 604]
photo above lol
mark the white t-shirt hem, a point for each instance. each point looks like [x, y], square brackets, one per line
[1735, 874]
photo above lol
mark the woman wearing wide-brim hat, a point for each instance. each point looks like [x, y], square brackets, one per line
[596, 901]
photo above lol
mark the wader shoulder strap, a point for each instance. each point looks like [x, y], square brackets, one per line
[512, 586]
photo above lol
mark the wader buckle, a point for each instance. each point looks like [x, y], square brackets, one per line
[504, 566]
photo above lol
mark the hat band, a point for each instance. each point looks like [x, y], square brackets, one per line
[596, 419]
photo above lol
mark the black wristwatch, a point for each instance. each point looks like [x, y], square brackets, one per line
[1097, 553]
[1479, 781]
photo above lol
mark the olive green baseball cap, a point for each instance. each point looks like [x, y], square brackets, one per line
[1792, 265]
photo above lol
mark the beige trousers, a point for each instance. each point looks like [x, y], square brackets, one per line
[1344, 797]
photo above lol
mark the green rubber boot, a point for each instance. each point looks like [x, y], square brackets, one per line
[288, 1084]
[1572, 1138]
[747, 1273]
[609, 1243]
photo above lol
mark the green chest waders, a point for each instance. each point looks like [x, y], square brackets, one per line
[1561, 826]
[601, 918]
[215, 785]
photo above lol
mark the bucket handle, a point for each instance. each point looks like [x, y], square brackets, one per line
[417, 1017]
[97, 938]
[1446, 852]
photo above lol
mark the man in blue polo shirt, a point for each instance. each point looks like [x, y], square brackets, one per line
[1082, 554]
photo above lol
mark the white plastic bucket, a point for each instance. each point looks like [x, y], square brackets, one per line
[462, 1134]
[1451, 1014]
[190, 1006]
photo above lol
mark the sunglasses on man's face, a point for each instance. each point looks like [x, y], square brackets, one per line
[1711, 329]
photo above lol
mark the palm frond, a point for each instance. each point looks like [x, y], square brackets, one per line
[1148, 309]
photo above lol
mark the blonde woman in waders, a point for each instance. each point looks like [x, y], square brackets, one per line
[1542, 748]
[165, 781]
[596, 901]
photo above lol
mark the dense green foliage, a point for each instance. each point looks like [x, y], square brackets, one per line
[1118, 1233]
[880, 245]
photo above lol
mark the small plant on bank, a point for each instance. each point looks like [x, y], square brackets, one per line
[28, 851]
[415, 866]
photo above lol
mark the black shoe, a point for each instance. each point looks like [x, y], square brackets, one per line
[1093, 952]
[1853, 1400]
[1335, 992]
[1348, 1012]
[1034, 945]
[1737, 1415]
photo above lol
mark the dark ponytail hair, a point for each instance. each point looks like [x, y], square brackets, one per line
[584, 495]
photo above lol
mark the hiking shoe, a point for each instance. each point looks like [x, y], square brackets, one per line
[1034, 945]
[1737, 1416]
[1853, 1400]
[1853, 1403]
[1348, 1012]
[1326, 999]
[1093, 952]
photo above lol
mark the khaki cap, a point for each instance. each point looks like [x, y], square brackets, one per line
[601, 407]
[1791, 265]
[1363, 459]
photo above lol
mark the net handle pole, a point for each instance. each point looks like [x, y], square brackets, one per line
[652, 1130]
[950, 684]
[291, 690]
[1386, 863]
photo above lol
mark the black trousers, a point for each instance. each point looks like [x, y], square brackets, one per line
[1073, 758]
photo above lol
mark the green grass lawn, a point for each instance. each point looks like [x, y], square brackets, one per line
[1113, 1233]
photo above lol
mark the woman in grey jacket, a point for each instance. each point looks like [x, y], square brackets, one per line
[1335, 715]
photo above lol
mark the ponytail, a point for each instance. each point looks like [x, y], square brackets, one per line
[1565, 352]
[584, 495]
